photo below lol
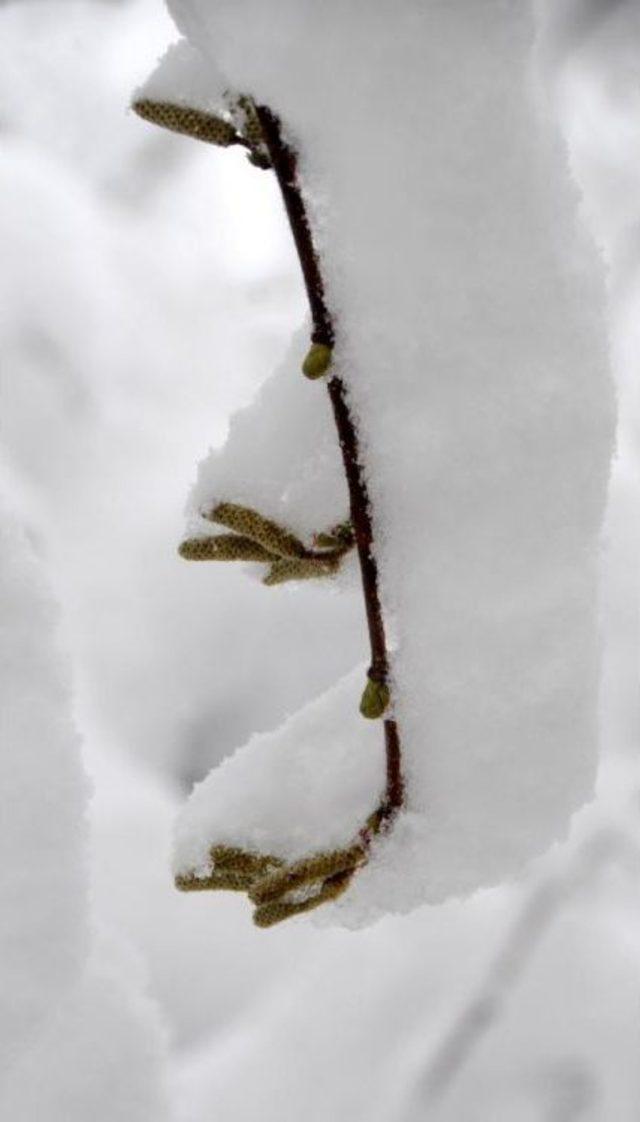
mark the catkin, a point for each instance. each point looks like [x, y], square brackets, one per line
[320, 867]
[187, 121]
[266, 915]
[248, 523]
[231, 869]
[223, 547]
[305, 568]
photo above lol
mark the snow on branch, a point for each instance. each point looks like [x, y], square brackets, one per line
[457, 318]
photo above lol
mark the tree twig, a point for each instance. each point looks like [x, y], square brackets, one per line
[285, 165]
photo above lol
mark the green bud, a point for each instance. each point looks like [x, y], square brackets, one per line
[249, 122]
[374, 821]
[318, 361]
[259, 159]
[326, 541]
[375, 700]
[344, 533]
[339, 537]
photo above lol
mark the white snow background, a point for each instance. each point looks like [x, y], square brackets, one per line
[148, 289]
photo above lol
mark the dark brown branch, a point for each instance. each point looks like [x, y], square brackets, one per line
[284, 162]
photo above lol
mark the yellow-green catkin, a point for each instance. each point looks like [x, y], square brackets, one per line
[223, 881]
[317, 361]
[279, 890]
[231, 869]
[304, 568]
[319, 867]
[276, 540]
[224, 547]
[244, 860]
[276, 911]
[187, 121]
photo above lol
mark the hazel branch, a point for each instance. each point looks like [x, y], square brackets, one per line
[277, 889]
[317, 363]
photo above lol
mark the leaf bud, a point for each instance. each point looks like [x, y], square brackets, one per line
[317, 361]
[375, 700]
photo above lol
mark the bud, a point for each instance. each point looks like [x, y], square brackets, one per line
[187, 121]
[318, 361]
[326, 541]
[375, 700]
[344, 533]
[249, 122]
[259, 159]
[374, 821]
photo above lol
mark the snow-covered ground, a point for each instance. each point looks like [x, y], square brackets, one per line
[149, 291]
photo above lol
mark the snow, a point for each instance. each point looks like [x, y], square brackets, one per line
[99, 1056]
[281, 456]
[323, 772]
[459, 1023]
[470, 321]
[163, 275]
[111, 316]
[78, 1040]
[184, 77]
[43, 930]
[206, 967]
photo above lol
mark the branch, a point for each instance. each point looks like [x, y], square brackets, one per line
[285, 166]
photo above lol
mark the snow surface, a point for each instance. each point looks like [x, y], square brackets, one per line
[470, 318]
[281, 457]
[163, 276]
[185, 77]
[323, 773]
[76, 1038]
[126, 347]
[458, 1025]
[43, 878]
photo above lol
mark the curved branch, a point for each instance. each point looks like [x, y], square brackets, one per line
[285, 166]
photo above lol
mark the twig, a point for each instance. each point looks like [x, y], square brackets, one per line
[285, 166]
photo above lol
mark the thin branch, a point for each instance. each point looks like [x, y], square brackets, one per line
[285, 166]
